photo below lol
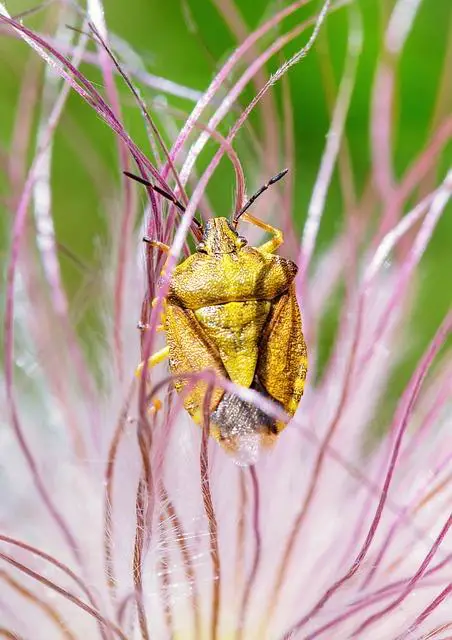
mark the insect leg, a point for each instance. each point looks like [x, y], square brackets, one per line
[283, 359]
[155, 243]
[144, 326]
[157, 357]
[275, 242]
[160, 245]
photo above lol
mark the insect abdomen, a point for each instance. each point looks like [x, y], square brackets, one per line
[241, 427]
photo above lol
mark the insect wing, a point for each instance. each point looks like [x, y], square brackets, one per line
[191, 352]
[282, 364]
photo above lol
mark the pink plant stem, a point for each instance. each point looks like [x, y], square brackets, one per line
[290, 238]
[256, 559]
[249, 73]
[20, 139]
[445, 593]
[211, 520]
[49, 611]
[96, 14]
[398, 29]
[66, 594]
[138, 558]
[165, 578]
[419, 246]
[309, 497]
[382, 146]
[176, 523]
[51, 560]
[109, 560]
[17, 175]
[334, 138]
[409, 507]
[241, 528]
[412, 583]
[239, 175]
[158, 83]
[405, 408]
[344, 253]
[269, 119]
[369, 600]
[441, 110]
[39, 177]
[187, 218]
[189, 213]
[417, 171]
[438, 405]
[225, 72]
[8, 364]
[344, 160]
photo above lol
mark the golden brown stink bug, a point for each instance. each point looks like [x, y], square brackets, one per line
[232, 308]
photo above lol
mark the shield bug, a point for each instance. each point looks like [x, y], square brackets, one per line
[232, 308]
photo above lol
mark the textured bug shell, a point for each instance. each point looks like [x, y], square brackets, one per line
[232, 309]
[204, 280]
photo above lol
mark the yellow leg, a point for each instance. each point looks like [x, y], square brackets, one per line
[145, 327]
[275, 242]
[160, 245]
[156, 243]
[154, 302]
[153, 360]
[156, 405]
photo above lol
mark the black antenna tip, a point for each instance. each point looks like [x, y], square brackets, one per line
[139, 179]
[278, 176]
[259, 192]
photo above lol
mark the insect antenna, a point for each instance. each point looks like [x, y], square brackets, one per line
[159, 190]
[163, 193]
[259, 192]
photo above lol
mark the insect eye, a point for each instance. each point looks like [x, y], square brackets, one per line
[201, 248]
[242, 241]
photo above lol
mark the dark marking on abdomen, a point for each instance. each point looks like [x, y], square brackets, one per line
[236, 417]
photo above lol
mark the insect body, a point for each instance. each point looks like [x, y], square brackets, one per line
[232, 308]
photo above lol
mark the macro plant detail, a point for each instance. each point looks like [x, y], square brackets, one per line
[120, 518]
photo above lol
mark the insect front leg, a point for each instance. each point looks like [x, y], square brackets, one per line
[160, 245]
[145, 326]
[155, 243]
[161, 355]
[275, 242]
[156, 358]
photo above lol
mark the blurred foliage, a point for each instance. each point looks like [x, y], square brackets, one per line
[185, 41]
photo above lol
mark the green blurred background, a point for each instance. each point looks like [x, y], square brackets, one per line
[159, 33]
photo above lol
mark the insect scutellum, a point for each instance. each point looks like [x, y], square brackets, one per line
[231, 308]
